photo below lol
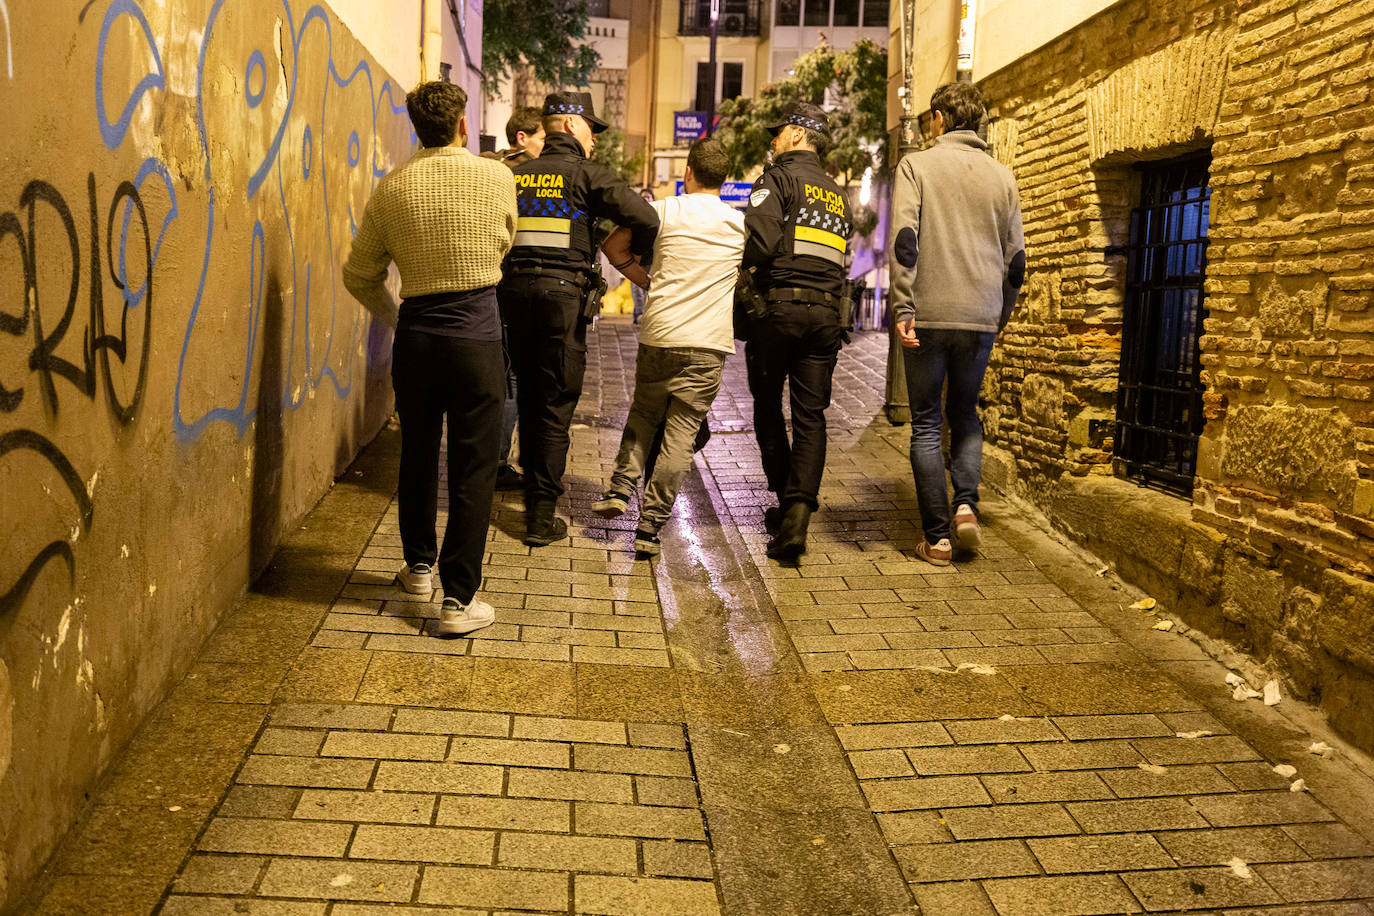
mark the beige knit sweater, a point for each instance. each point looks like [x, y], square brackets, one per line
[446, 217]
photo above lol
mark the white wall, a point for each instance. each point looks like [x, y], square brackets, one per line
[396, 48]
[451, 53]
[1010, 29]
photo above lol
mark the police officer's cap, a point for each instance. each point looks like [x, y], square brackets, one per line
[576, 103]
[802, 114]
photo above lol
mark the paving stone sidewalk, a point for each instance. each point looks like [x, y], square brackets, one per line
[711, 732]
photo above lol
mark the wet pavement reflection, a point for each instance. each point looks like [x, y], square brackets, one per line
[711, 732]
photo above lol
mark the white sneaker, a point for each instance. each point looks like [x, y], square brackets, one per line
[966, 530]
[456, 620]
[417, 579]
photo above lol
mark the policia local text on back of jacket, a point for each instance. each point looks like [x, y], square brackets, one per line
[562, 196]
[797, 232]
[797, 227]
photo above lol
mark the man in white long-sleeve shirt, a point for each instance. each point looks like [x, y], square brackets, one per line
[684, 336]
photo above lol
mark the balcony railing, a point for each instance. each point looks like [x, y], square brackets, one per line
[738, 18]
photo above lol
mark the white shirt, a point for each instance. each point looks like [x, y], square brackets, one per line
[692, 284]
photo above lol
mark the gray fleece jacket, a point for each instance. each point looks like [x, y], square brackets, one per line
[958, 252]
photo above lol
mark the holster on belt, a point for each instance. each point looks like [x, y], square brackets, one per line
[592, 293]
[747, 295]
[591, 284]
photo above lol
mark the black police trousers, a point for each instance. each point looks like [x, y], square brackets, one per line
[547, 339]
[797, 343]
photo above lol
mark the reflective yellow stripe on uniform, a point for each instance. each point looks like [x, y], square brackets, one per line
[542, 224]
[820, 237]
[818, 243]
[543, 232]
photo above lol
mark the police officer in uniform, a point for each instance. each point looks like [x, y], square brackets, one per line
[549, 292]
[797, 229]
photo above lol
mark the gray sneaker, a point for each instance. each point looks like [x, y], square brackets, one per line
[456, 620]
[417, 579]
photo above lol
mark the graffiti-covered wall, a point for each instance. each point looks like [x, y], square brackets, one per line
[181, 371]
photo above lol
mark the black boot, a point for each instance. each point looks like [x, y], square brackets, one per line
[790, 541]
[772, 519]
[542, 526]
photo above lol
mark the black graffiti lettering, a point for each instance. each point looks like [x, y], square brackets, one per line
[96, 344]
[43, 359]
[15, 325]
[105, 343]
[32, 441]
[100, 341]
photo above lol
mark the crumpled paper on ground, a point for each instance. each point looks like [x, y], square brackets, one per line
[1242, 689]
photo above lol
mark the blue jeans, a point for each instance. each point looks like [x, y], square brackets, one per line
[959, 358]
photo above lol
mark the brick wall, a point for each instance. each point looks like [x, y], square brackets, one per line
[1275, 551]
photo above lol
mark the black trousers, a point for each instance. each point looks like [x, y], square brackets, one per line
[464, 380]
[547, 339]
[798, 343]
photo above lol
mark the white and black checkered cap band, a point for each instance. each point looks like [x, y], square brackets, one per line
[803, 121]
[567, 108]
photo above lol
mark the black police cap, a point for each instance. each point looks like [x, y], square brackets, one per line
[802, 114]
[577, 103]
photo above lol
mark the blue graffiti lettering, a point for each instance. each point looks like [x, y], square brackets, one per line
[113, 134]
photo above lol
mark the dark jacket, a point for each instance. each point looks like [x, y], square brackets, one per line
[516, 158]
[797, 227]
[562, 195]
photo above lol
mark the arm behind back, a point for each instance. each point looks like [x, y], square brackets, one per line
[615, 200]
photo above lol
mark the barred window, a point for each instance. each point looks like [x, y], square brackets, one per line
[1159, 399]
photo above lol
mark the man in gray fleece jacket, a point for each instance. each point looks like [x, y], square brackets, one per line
[958, 262]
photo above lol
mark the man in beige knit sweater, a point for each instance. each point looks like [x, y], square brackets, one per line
[447, 218]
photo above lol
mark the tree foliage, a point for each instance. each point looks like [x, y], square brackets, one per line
[610, 151]
[541, 34]
[855, 80]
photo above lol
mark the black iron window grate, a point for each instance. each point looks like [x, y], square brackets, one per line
[1159, 401]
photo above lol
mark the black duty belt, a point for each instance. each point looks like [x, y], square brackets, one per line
[532, 270]
[798, 294]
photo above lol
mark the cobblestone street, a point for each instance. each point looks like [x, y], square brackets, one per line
[711, 732]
